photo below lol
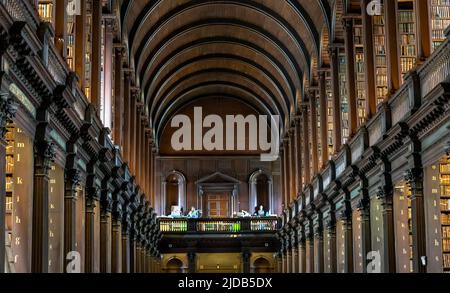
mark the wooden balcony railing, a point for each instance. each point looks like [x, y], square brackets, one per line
[223, 225]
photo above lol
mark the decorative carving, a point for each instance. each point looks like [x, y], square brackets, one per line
[363, 204]
[73, 176]
[413, 175]
[45, 154]
[8, 109]
[385, 193]
[330, 224]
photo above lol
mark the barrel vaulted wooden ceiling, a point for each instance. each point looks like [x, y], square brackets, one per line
[258, 51]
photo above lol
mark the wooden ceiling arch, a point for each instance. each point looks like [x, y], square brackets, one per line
[257, 50]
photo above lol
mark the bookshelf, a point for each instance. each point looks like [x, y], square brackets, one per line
[71, 42]
[319, 127]
[445, 213]
[381, 70]
[45, 10]
[329, 93]
[407, 36]
[358, 258]
[440, 20]
[344, 95]
[403, 219]
[88, 57]
[9, 183]
[360, 71]
[311, 161]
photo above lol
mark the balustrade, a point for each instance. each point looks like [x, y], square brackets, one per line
[230, 225]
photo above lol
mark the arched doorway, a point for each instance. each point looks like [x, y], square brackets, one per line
[174, 266]
[262, 266]
[174, 189]
[261, 191]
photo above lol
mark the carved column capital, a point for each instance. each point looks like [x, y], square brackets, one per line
[45, 154]
[413, 175]
[8, 109]
[73, 178]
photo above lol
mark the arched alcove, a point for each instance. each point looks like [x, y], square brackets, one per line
[174, 191]
[262, 266]
[261, 191]
[174, 266]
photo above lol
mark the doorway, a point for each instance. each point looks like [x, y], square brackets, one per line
[218, 204]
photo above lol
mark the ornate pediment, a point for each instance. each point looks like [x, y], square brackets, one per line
[218, 177]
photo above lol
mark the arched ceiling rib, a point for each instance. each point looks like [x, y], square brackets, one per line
[259, 51]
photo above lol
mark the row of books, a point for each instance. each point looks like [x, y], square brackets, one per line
[407, 64]
[406, 16]
[446, 260]
[45, 11]
[446, 245]
[9, 164]
[408, 50]
[445, 219]
[446, 232]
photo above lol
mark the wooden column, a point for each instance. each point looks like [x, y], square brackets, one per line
[142, 152]
[126, 247]
[366, 238]
[60, 27]
[414, 178]
[323, 118]
[302, 255]
[116, 250]
[138, 257]
[319, 256]
[423, 21]
[386, 193]
[192, 265]
[127, 116]
[145, 162]
[283, 179]
[294, 252]
[43, 157]
[331, 230]
[132, 238]
[70, 200]
[288, 260]
[348, 242]
[105, 236]
[292, 164]
[143, 258]
[138, 162]
[313, 126]
[393, 61]
[132, 130]
[298, 154]
[108, 98]
[151, 163]
[337, 117]
[154, 168]
[96, 54]
[118, 97]
[286, 172]
[90, 234]
[80, 44]
[246, 255]
[351, 78]
[310, 247]
[306, 148]
[369, 61]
